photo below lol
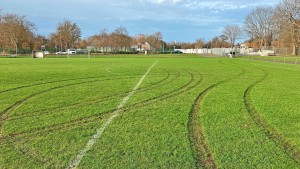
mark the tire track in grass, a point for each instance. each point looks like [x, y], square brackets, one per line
[84, 120]
[22, 136]
[45, 83]
[93, 118]
[291, 150]
[62, 127]
[56, 81]
[181, 90]
[42, 112]
[32, 155]
[202, 154]
[67, 126]
[5, 113]
[172, 93]
[155, 99]
[76, 161]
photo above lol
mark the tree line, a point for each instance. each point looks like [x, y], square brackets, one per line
[269, 26]
[277, 26]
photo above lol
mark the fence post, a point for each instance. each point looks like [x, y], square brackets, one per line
[284, 60]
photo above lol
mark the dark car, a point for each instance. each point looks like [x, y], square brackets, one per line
[178, 51]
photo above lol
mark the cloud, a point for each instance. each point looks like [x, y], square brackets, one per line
[190, 19]
[168, 1]
[162, 1]
[222, 5]
[209, 6]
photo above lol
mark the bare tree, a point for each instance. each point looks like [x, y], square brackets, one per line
[81, 44]
[55, 41]
[232, 32]
[39, 41]
[288, 35]
[290, 10]
[223, 39]
[158, 37]
[155, 40]
[103, 40]
[139, 38]
[66, 35]
[288, 23]
[259, 25]
[185, 45]
[218, 41]
[100, 41]
[15, 31]
[119, 39]
[200, 43]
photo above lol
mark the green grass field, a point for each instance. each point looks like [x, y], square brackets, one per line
[188, 112]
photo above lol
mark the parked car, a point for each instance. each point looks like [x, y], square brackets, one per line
[68, 51]
[71, 51]
[61, 53]
[46, 52]
[178, 51]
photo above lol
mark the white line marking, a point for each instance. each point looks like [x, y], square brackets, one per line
[109, 71]
[76, 161]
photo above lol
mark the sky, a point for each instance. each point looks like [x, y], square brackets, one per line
[177, 20]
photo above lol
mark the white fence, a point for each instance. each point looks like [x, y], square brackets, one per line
[195, 51]
[242, 51]
[215, 51]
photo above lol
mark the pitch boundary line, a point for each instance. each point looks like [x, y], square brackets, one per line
[76, 161]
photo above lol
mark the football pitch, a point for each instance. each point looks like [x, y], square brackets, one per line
[149, 112]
